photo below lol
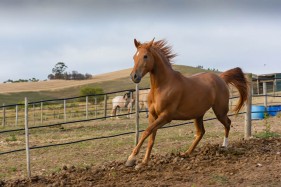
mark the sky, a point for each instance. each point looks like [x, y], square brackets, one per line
[96, 36]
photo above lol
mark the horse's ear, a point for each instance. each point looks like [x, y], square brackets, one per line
[137, 44]
[150, 43]
[126, 96]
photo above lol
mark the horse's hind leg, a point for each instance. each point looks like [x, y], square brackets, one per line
[113, 112]
[226, 123]
[200, 131]
[223, 118]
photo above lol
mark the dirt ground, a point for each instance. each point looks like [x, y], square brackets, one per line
[254, 162]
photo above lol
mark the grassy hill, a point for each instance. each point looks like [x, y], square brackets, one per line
[119, 80]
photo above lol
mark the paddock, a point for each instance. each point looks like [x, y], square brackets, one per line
[101, 146]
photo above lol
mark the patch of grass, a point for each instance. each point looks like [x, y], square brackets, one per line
[220, 179]
[13, 169]
[83, 145]
[56, 170]
[2, 176]
[11, 138]
[266, 134]
[178, 150]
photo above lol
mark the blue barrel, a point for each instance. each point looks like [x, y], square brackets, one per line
[258, 112]
[279, 108]
[273, 110]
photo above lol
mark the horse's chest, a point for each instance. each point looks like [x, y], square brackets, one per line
[158, 105]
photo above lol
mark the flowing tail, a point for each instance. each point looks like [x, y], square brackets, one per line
[236, 78]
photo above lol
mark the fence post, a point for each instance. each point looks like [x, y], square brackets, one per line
[4, 116]
[64, 109]
[137, 114]
[87, 99]
[131, 103]
[274, 86]
[34, 114]
[265, 94]
[248, 117]
[96, 107]
[105, 106]
[17, 115]
[41, 112]
[27, 137]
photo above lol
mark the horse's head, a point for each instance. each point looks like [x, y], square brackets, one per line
[126, 96]
[143, 59]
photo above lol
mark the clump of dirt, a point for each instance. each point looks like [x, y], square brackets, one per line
[255, 162]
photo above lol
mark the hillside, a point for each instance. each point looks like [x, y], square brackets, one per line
[15, 92]
[59, 84]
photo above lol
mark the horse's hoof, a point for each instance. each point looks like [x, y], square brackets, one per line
[223, 148]
[130, 163]
[139, 166]
[184, 155]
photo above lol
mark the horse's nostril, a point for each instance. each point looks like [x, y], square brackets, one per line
[135, 76]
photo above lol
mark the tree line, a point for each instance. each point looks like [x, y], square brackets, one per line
[59, 72]
[209, 69]
[21, 80]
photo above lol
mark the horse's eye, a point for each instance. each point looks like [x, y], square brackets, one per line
[145, 56]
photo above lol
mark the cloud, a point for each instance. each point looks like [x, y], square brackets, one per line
[97, 36]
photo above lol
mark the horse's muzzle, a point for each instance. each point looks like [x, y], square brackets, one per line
[135, 77]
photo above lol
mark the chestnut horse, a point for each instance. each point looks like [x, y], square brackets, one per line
[173, 96]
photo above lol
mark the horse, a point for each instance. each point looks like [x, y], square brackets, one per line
[173, 96]
[143, 104]
[121, 102]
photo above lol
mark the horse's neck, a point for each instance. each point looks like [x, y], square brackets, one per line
[161, 73]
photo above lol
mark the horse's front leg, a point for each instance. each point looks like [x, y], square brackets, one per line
[149, 144]
[152, 128]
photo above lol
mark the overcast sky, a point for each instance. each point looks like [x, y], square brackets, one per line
[92, 36]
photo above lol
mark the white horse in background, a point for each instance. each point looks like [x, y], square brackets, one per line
[120, 102]
[143, 104]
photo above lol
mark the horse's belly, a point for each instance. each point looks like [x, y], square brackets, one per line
[187, 113]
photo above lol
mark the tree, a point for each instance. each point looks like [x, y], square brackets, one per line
[59, 70]
[51, 76]
[92, 91]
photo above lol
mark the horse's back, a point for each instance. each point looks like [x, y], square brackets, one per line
[213, 85]
[116, 101]
[200, 93]
[209, 80]
[143, 98]
[143, 94]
